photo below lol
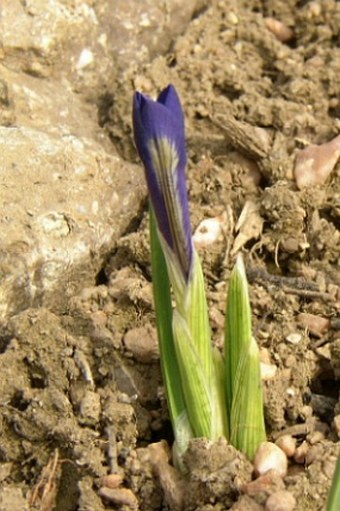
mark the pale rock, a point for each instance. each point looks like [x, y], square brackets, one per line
[317, 325]
[301, 453]
[270, 457]
[52, 242]
[66, 195]
[294, 338]
[119, 496]
[209, 230]
[281, 31]
[268, 371]
[314, 164]
[288, 444]
[112, 480]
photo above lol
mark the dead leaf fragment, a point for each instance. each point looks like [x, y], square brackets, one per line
[44, 493]
[249, 225]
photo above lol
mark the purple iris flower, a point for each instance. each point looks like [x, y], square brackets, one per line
[160, 140]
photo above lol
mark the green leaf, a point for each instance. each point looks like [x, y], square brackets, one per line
[220, 422]
[194, 380]
[333, 501]
[246, 418]
[243, 375]
[237, 327]
[196, 313]
[163, 308]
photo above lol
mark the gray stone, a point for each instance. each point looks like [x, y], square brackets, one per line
[65, 195]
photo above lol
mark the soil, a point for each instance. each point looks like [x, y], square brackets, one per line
[82, 401]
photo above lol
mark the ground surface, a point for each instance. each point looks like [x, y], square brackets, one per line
[81, 391]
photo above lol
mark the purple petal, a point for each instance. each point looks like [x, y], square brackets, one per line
[169, 98]
[160, 140]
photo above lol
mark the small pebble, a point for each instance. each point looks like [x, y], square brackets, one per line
[294, 338]
[270, 457]
[268, 371]
[291, 392]
[290, 245]
[85, 58]
[281, 501]
[279, 29]
[314, 9]
[252, 174]
[301, 453]
[209, 231]
[324, 351]
[232, 18]
[288, 444]
[314, 164]
[112, 480]
[317, 325]
[290, 361]
[119, 496]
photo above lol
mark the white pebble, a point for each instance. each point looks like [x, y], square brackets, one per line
[268, 371]
[301, 453]
[208, 231]
[270, 457]
[294, 338]
[85, 59]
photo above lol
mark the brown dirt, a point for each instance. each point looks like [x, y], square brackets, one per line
[85, 388]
